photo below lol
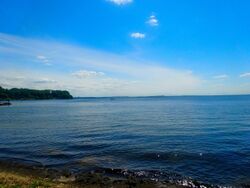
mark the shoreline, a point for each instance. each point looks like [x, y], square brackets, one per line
[13, 174]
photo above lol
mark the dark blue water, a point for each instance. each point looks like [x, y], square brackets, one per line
[206, 138]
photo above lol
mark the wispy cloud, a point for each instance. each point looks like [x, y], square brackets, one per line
[138, 35]
[221, 76]
[153, 21]
[247, 74]
[26, 79]
[121, 2]
[87, 74]
[124, 75]
[44, 60]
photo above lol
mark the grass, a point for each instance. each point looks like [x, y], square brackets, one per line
[14, 180]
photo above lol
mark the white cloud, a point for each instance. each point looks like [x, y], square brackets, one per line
[121, 2]
[41, 57]
[138, 35]
[44, 60]
[44, 81]
[87, 74]
[222, 76]
[153, 21]
[247, 74]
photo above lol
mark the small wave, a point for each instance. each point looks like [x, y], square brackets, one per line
[157, 176]
[86, 147]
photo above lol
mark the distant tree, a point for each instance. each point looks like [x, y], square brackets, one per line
[18, 94]
[3, 94]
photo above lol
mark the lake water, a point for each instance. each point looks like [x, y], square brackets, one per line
[205, 138]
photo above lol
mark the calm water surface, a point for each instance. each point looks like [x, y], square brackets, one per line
[206, 138]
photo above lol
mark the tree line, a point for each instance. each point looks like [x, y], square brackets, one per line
[25, 94]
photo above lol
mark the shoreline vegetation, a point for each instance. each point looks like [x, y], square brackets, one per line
[21, 176]
[32, 94]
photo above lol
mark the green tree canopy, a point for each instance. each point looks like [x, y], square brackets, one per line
[23, 94]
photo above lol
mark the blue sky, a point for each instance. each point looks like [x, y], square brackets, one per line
[126, 47]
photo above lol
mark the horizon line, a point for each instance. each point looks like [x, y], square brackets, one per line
[151, 96]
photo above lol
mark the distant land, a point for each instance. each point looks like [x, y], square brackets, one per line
[168, 96]
[32, 94]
